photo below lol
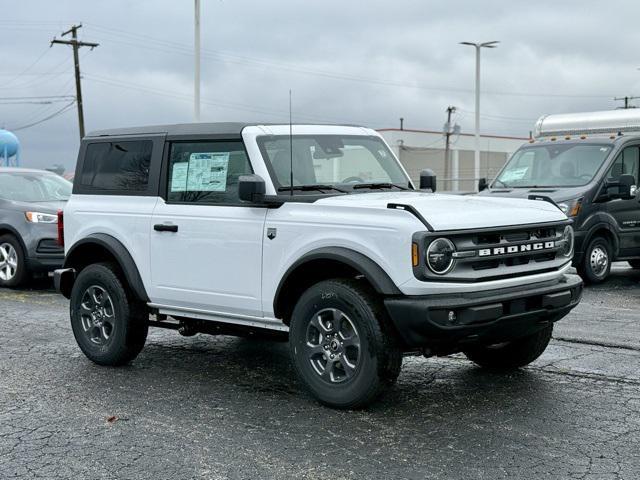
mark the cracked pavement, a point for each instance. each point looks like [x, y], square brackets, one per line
[219, 407]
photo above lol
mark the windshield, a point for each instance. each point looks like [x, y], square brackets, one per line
[333, 161]
[33, 187]
[559, 165]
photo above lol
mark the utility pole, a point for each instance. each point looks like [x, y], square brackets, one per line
[626, 101]
[76, 44]
[447, 134]
[196, 66]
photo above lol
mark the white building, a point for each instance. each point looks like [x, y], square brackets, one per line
[420, 149]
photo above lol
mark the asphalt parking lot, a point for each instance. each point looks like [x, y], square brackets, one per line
[221, 407]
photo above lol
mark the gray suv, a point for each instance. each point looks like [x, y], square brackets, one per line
[29, 205]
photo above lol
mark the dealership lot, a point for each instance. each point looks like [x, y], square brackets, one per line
[221, 407]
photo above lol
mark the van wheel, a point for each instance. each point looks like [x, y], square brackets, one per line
[109, 326]
[596, 264]
[512, 355]
[635, 264]
[342, 345]
[13, 265]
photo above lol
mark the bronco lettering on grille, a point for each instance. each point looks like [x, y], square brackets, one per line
[527, 247]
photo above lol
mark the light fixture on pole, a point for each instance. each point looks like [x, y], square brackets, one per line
[478, 47]
[196, 61]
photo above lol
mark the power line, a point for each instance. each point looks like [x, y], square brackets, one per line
[281, 114]
[216, 55]
[35, 62]
[65, 90]
[64, 109]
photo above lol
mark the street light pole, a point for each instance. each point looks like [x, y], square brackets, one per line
[476, 162]
[196, 73]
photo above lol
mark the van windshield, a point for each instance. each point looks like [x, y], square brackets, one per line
[341, 162]
[558, 165]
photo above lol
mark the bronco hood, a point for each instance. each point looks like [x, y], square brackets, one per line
[457, 212]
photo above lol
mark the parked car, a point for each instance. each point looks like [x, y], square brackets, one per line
[238, 228]
[588, 164]
[29, 204]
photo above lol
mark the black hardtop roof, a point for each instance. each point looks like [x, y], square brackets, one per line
[217, 128]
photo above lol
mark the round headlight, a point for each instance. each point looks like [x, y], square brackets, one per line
[440, 256]
[567, 237]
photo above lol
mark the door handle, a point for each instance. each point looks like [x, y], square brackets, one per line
[163, 227]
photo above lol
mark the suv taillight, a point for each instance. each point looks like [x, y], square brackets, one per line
[60, 228]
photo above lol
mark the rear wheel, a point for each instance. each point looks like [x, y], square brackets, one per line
[109, 326]
[512, 355]
[342, 345]
[596, 264]
[13, 265]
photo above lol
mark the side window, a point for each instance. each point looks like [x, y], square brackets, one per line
[627, 162]
[206, 172]
[117, 165]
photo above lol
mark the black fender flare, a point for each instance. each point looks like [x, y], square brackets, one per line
[373, 272]
[119, 252]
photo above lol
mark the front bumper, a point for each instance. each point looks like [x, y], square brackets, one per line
[446, 323]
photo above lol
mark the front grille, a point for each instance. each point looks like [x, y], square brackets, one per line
[49, 246]
[504, 252]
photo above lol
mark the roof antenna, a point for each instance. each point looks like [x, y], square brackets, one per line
[290, 147]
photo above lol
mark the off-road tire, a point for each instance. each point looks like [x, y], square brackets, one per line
[380, 357]
[22, 274]
[511, 355]
[586, 269]
[130, 324]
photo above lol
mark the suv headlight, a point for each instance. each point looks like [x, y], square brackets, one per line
[37, 217]
[567, 238]
[571, 208]
[440, 256]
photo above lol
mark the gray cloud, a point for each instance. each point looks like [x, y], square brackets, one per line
[357, 62]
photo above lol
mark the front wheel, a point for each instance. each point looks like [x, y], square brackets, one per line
[342, 344]
[109, 326]
[514, 354]
[596, 264]
[13, 265]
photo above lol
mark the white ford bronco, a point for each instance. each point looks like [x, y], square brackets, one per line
[311, 232]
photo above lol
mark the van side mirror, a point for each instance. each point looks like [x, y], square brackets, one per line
[627, 183]
[626, 187]
[251, 188]
[427, 180]
[482, 184]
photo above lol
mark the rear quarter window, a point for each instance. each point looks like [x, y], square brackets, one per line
[117, 166]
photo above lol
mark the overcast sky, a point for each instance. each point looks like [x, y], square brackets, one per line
[366, 62]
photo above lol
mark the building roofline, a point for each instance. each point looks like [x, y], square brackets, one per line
[412, 130]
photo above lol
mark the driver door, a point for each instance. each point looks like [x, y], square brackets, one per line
[626, 212]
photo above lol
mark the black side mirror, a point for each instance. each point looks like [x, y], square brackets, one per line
[427, 180]
[482, 184]
[251, 188]
[626, 187]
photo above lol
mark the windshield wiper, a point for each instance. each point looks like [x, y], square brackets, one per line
[378, 186]
[307, 188]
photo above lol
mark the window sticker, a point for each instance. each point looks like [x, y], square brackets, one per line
[514, 174]
[179, 176]
[207, 172]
